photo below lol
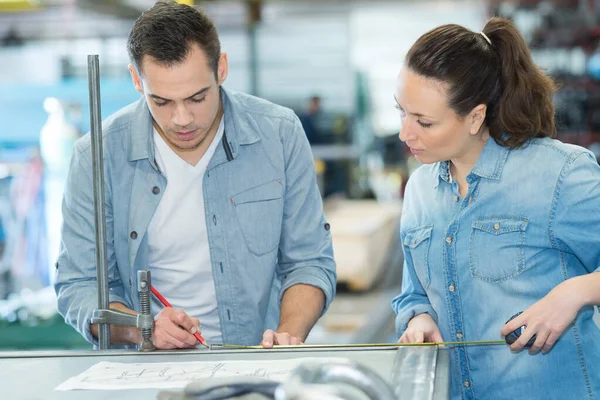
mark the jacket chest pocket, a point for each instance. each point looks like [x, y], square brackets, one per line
[259, 212]
[497, 248]
[418, 241]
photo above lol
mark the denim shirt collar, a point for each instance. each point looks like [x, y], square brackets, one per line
[238, 128]
[141, 144]
[489, 164]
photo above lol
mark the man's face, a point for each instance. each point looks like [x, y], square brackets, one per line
[184, 99]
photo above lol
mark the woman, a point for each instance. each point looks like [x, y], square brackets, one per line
[500, 219]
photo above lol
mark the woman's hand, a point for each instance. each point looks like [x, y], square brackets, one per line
[548, 318]
[421, 328]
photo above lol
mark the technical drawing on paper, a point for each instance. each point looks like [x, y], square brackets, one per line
[164, 375]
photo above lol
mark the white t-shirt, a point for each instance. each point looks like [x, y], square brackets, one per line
[178, 240]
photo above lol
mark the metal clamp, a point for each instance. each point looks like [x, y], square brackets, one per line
[144, 284]
[104, 316]
[120, 318]
[144, 320]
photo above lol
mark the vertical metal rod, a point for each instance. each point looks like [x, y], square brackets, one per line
[254, 12]
[253, 59]
[98, 177]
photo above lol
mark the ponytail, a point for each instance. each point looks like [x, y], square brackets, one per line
[524, 108]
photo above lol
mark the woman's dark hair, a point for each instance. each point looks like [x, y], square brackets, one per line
[167, 31]
[500, 74]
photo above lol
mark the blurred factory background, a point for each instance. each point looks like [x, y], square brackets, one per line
[333, 62]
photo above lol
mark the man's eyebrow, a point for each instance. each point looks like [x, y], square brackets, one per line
[199, 92]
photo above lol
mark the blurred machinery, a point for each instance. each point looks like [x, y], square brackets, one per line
[564, 37]
[57, 139]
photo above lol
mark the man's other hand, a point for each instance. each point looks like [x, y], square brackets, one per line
[271, 338]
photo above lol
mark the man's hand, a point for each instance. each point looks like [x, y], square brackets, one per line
[548, 318]
[271, 338]
[174, 329]
[421, 328]
[301, 306]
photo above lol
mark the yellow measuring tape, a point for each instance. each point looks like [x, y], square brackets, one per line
[333, 346]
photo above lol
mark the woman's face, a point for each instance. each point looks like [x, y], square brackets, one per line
[430, 128]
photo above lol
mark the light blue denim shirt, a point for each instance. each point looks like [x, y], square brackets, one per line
[530, 220]
[264, 217]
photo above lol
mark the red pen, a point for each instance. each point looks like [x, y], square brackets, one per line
[167, 304]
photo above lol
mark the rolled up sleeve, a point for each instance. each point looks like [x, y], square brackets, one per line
[76, 277]
[305, 250]
[412, 300]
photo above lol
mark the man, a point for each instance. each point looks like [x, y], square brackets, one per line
[236, 240]
[312, 120]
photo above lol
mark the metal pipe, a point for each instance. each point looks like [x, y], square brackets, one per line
[319, 372]
[98, 177]
[414, 372]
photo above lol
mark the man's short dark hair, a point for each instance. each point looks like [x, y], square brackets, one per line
[167, 31]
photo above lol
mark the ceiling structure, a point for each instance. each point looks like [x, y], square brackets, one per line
[48, 19]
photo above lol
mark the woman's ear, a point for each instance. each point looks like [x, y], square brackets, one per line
[477, 117]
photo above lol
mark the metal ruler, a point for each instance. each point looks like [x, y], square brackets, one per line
[365, 345]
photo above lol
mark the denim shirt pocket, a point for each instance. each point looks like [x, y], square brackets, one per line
[496, 250]
[259, 212]
[418, 241]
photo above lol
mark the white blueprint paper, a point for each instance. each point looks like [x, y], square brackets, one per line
[168, 375]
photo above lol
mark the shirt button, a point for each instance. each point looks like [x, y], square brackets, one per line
[496, 226]
[156, 190]
[467, 384]
[470, 199]
[448, 239]
[459, 335]
[456, 198]
[133, 235]
[451, 288]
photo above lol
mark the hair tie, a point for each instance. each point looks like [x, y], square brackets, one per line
[486, 38]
